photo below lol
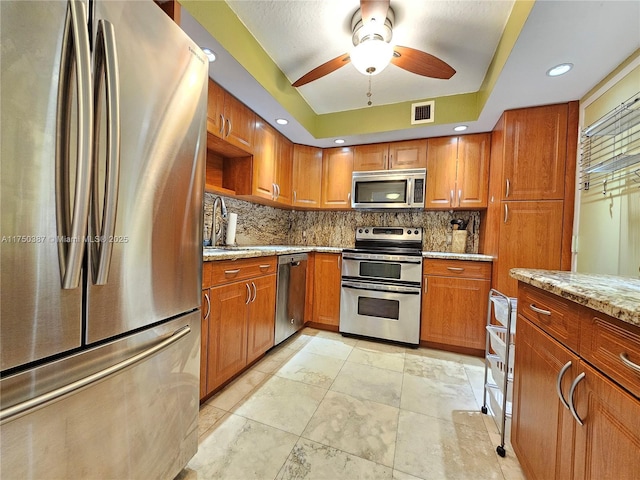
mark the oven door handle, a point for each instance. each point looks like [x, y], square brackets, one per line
[368, 288]
[380, 260]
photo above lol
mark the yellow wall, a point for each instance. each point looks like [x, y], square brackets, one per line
[609, 220]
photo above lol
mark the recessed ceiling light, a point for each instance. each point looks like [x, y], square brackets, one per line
[559, 69]
[282, 121]
[339, 141]
[460, 128]
[209, 53]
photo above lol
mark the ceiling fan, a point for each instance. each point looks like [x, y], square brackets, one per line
[372, 26]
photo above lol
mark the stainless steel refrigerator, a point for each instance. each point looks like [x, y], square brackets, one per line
[103, 144]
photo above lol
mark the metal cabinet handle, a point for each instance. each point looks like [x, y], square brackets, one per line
[563, 370]
[629, 363]
[456, 269]
[277, 190]
[459, 196]
[339, 258]
[506, 213]
[229, 127]
[264, 267]
[451, 197]
[506, 195]
[295, 196]
[24, 407]
[425, 287]
[222, 121]
[348, 197]
[539, 310]
[231, 272]
[206, 297]
[246, 302]
[76, 58]
[255, 292]
[106, 65]
[572, 390]
[273, 191]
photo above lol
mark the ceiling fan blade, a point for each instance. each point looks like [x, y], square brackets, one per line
[322, 70]
[421, 63]
[374, 9]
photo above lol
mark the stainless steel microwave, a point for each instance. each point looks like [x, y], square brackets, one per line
[389, 189]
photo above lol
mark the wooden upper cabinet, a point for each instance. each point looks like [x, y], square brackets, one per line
[388, 156]
[409, 154]
[535, 152]
[458, 172]
[229, 119]
[441, 172]
[337, 168]
[284, 170]
[370, 157]
[306, 178]
[472, 180]
[264, 161]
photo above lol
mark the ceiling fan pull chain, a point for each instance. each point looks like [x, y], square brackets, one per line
[369, 92]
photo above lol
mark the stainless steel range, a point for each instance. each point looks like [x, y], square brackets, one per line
[382, 284]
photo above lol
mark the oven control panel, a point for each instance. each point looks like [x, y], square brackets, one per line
[399, 234]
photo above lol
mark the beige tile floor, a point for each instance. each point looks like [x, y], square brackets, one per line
[322, 406]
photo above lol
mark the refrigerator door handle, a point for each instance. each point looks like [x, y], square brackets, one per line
[71, 228]
[41, 400]
[106, 65]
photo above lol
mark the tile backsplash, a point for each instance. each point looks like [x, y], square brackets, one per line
[263, 225]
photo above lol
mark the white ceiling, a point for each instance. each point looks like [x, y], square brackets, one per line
[596, 36]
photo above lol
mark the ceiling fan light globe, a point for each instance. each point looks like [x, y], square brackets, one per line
[371, 56]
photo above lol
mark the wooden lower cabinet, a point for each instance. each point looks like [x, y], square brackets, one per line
[326, 290]
[227, 333]
[261, 326]
[239, 325]
[600, 440]
[542, 429]
[454, 303]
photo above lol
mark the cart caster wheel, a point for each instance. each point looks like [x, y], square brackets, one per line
[501, 451]
[484, 410]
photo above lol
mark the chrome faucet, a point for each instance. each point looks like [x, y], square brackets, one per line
[216, 233]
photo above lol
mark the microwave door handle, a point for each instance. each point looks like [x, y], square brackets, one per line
[409, 192]
[107, 64]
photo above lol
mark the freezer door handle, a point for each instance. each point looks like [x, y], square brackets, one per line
[106, 64]
[40, 401]
[72, 227]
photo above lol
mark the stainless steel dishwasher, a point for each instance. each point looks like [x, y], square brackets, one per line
[291, 290]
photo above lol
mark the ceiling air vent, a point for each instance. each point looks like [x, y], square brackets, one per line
[422, 112]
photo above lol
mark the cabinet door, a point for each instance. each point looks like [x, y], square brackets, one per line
[409, 154]
[307, 174]
[264, 161]
[284, 170]
[608, 444]
[239, 130]
[215, 109]
[441, 172]
[530, 237]
[542, 428]
[326, 288]
[204, 341]
[454, 311]
[472, 179]
[535, 149]
[371, 157]
[262, 311]
[227, 333]
[337, 169]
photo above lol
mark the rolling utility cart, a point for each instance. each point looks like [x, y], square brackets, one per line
[499, 354]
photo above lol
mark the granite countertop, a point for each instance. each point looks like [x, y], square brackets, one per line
[234, 253]
[616, 296]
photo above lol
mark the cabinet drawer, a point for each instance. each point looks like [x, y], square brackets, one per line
[457, 268]
[603, 339]
[553, 314]
[233, 270]
[206, 274]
